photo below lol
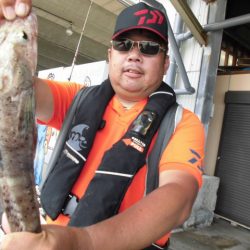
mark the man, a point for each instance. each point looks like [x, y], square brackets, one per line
[110, 209]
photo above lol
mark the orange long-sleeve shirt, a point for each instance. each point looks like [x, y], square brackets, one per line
[185, 150]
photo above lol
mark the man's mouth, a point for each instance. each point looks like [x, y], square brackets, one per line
[135, 71]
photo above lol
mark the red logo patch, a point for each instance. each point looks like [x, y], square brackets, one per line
[135, 143]
[154, 16]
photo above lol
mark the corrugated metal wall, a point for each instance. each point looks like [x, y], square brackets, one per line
[233, 164]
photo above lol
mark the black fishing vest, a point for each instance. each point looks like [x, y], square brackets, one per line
[119, 165]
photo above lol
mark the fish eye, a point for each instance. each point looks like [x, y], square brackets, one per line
[25, 36]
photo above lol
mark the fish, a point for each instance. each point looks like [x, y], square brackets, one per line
[18, 61]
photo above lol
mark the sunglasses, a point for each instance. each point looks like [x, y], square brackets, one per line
[148, 48]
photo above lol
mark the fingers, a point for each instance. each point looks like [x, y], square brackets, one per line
[20, 241]
[6, 8]
[10, 9]
[52, 237]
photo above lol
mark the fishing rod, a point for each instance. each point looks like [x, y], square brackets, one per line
[79, 42]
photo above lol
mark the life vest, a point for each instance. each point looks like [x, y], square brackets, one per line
[128, 157]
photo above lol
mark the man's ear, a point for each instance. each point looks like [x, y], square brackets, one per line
[109, 54]
[166, 63]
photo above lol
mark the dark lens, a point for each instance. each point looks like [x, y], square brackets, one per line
[122, 45]
[149, 47]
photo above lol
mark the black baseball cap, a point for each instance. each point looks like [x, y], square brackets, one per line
[142, 16]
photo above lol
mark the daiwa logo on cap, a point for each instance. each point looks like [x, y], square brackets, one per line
[154, 17]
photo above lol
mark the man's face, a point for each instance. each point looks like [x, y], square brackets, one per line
[135, 76]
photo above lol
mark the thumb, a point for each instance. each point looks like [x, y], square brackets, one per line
[5, 224]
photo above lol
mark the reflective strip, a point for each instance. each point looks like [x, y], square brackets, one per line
[178, 116]
[76, 152]
[157, 246]
[113, 173]
[161, 92]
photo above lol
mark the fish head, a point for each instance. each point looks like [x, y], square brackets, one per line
[18, 46]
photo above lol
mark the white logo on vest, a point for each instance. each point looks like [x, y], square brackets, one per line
[77, 139]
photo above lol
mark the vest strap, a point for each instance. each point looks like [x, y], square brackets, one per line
[167, 127]
[76, 144]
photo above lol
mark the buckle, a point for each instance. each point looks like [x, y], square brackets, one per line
[70, 205]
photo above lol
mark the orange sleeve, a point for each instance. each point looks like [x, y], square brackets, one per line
[63, 94]
[185, 150]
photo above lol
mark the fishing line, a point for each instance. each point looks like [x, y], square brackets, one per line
[79, 42]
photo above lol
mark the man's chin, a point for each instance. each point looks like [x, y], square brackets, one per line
[131, 87]
[132, 96]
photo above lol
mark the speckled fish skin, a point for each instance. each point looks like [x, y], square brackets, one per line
[18, 59]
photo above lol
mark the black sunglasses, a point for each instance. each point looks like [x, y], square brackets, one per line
[148, 48]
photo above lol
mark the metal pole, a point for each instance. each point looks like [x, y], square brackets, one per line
[231, 22]
[210, 59]
[188, 88]
[171, 73]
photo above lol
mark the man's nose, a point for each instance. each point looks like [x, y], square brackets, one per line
[134, 53]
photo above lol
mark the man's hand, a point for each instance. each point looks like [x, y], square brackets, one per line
[10, 9]
[51, 238]
[6, 226]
